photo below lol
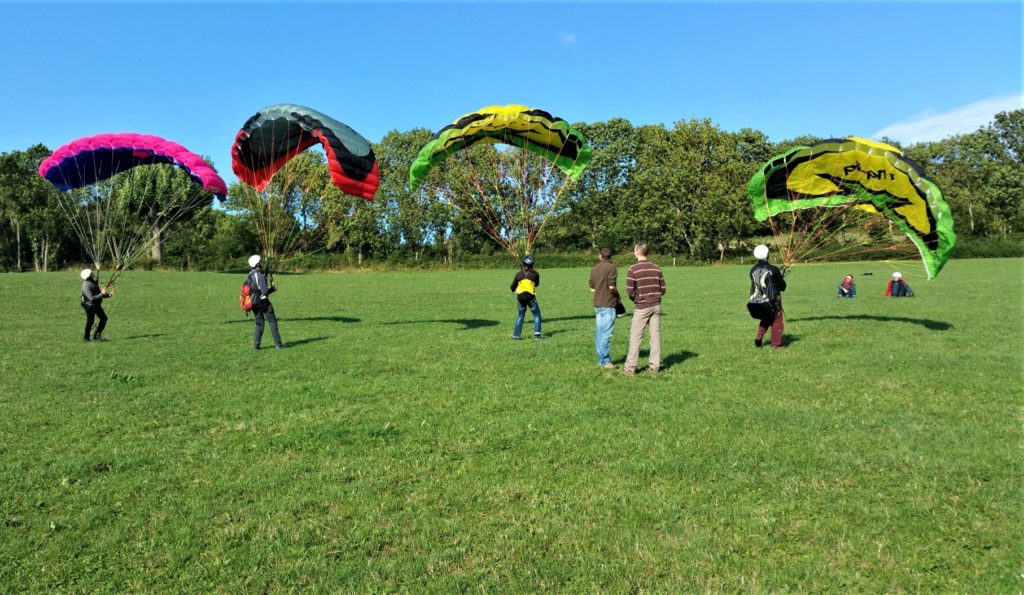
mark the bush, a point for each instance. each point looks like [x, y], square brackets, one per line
[990, 247]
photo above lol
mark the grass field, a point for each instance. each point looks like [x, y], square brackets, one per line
[404, 443]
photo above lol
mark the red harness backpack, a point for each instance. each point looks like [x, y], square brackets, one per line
[245, 297]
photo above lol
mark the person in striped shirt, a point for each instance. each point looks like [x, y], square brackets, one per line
[645, 284]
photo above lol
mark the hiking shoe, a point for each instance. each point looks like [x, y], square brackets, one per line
[626, 372]
[537, 336]
[608, 366]
[515, 338]
[653, 370]
[85, 340]
[758, 342]
[98, 338]
[778, 347]
[255, 345]
[279, 346]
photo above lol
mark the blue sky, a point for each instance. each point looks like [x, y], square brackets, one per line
[195, 72]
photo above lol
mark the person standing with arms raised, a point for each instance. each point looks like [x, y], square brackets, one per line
[92, 303]
[767, 281]
[261, 306]
[524, 286]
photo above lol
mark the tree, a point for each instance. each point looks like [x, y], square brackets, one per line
[1009, 130]
[419, 219]
[589, 216]
[31, 206]
[962, 166]
[152, 197]
[288, 215]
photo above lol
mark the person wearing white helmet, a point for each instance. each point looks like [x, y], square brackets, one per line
[262, 309]
[524, 286]
[897, 287]
[767, 283]
[92, 303]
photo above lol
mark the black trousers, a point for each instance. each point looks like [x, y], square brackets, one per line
[92, 313]
[261, 313]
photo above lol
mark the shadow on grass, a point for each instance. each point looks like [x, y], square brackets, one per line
[676, 359]
[933, 325]
[467, 323]
[564, 318]
[667, 362]
[627, 317]
[150, 336]
[305, 318]
[323, 318]
[296, 343]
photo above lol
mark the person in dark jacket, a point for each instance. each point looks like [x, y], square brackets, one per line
[524, 286]
[778, 281]
[897, 287]
[261, 307]
[92, 303]
[603, 279]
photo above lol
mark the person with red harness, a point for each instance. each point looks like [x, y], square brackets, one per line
[897, 287]
[262, 309]
[767, 283]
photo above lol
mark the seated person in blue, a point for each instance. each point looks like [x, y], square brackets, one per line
[897, 287]
[847, 288]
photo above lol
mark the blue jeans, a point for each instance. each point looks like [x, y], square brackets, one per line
[603, 336]
[535, 309]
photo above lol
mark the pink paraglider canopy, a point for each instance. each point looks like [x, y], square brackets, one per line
[92, 159]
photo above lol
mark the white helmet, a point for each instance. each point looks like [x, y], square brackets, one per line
[897, 275]
[761, 252]
[254, 260]
[85, 274]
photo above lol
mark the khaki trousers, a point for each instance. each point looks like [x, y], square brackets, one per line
[651, 319]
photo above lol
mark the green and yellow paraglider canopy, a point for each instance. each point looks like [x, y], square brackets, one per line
[870, 176]
[532, 129]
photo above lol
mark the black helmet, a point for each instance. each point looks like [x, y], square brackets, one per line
[528, 261]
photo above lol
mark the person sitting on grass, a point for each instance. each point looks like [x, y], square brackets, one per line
[897, 287]
[847, 288]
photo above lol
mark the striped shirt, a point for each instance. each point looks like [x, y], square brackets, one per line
[645, 284]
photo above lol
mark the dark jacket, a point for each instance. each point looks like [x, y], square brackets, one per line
[530, 274]
[261, 291]
[603, 276]
[777, 278]
[92, 295]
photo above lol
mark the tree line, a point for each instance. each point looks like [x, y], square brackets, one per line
[682, 189]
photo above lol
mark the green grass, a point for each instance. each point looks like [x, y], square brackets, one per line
[404, 443]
